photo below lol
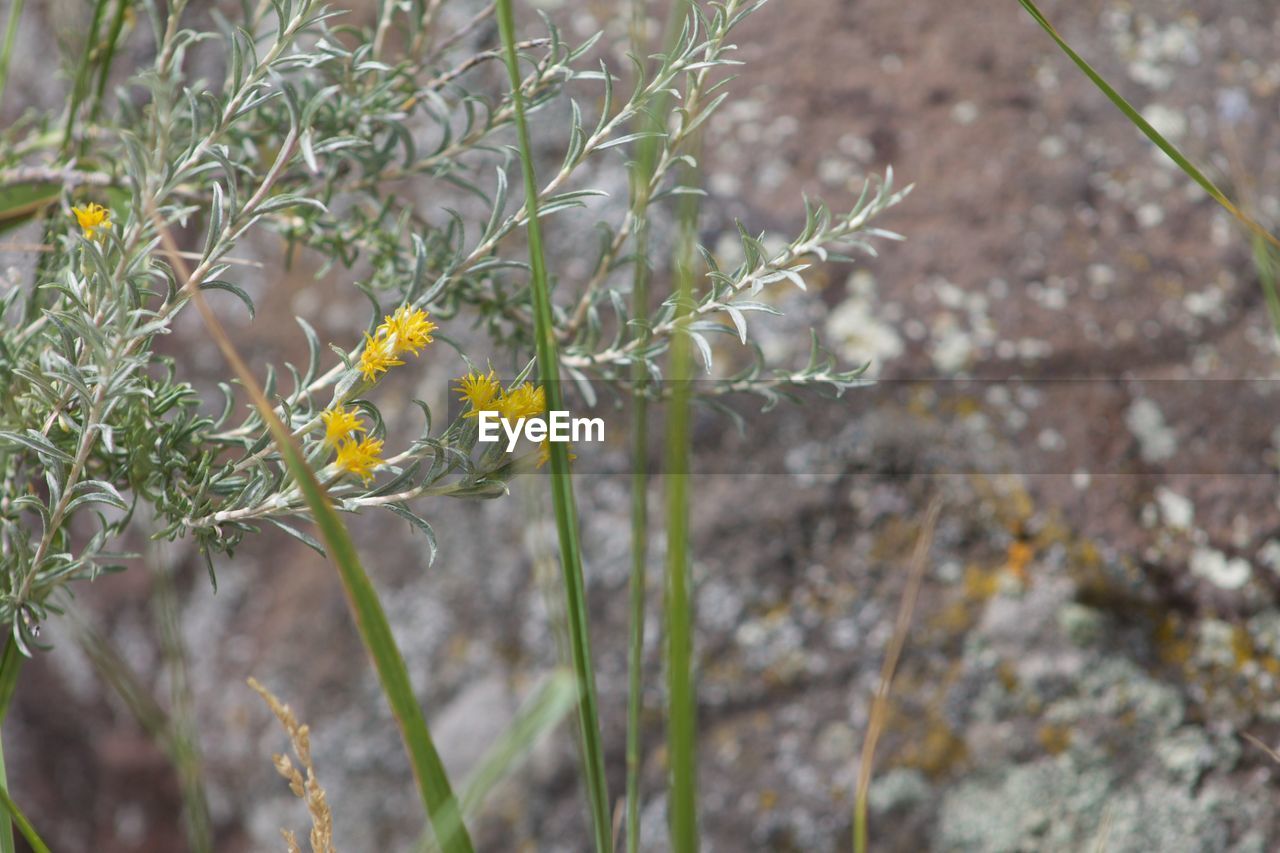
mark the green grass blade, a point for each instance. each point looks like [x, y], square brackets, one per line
[638, 588]
[646, 162]
[538, 716]
[375, 632]
[1264, 259]
[561, 479]
[6, 52]
[10, 809]
[80, 86]
[682, 712]
[109, 53]
[171, 737]
[10, 664]
[371, 621]
[183, 744]
[682, 709]
[1150, 132]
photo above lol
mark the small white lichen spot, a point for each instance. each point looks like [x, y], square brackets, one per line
[861, 336]
[1156, 441]
[952, 349]
[1177, 511]
[1269, 555]
[1170, 123]
[1050, 440]
[1052, 147]
[964, 112]
[1217, 569]
[1149, 215]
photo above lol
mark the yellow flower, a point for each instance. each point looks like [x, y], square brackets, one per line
[91, 217]
[527, 401]
[339, 423]
[479, 391]
[544, 453]
[409, 328]
[360, 457]
[378, 356]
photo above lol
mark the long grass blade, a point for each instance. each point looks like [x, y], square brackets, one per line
[880, 704]
[561, 479]
[11, 810]
[647, 150]
[181, 732]
[10, 35]
[1264, 260]
[681, 696]
[80, 86]
[538, 716]
[371, 621]
[108, 54]
[1150, 132]
[176, 743]
[10, 664]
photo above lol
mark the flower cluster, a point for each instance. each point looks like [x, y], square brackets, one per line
[525, 401]
[360, 457]
[480, 391]
[356, 456]
[92, 217]
[407, 330]
[339, 424]
[484, 393]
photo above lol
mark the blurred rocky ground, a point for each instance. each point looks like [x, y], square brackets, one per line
[1074, 355]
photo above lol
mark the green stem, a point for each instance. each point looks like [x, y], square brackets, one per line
[181, 729]
[113, 36]
[1264, 261]
[681, 694]
[9, 808]
[639, 584]
[639, 461]
[10, 664]
[10, 35]
[81, 84]
[646, 163]
[561, 480]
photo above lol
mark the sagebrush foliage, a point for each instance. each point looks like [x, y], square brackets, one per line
[323, 133]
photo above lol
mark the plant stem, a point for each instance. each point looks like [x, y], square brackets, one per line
[880, 704]
[639, 467]
[6, 53]
[184, 745]
[113, 37]
[9, 809]
[682, 712]
[641, 189]
[81, 83]
[10, 663]
[561, 479]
